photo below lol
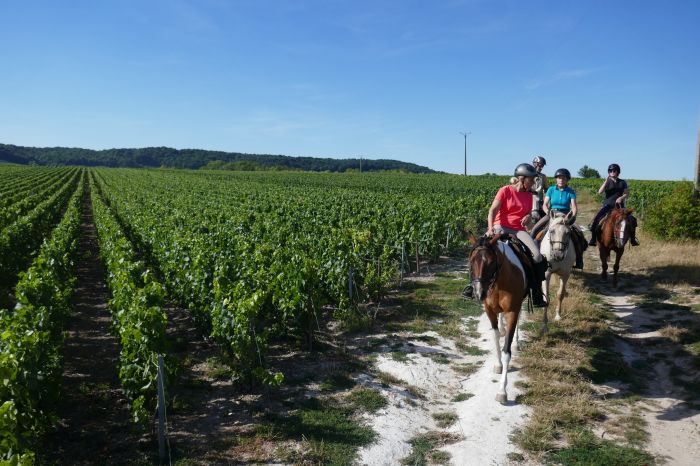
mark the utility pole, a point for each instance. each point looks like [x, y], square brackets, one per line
[465, 134]
[696, 186]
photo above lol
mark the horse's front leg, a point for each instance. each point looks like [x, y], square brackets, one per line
[616, 266]
[545, 291]
[512, 322]
[604, 263]
[560, 295]
[498, 367]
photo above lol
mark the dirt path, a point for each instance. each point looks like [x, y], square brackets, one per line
[94, 424]
[466, 387]
[671, 411]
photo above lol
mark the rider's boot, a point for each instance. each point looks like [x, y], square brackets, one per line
[538, 298]
[592, 241]
[579, 262]
[633, 234]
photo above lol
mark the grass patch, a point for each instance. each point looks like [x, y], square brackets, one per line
[368, 400]
[400, 356]
[424, 449]
[337, 381]
[467, 368]
[586, 449]
[438, 358]
[471, 350]
[462, 397]
[217, 369]
[330, 430]
[445, 419]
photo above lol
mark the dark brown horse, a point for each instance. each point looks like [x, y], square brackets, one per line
[499, 281]
[615, 230]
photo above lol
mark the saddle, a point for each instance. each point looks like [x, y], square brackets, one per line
[522, 252]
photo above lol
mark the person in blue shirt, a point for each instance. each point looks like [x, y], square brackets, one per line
[616, 191]
[560, 199]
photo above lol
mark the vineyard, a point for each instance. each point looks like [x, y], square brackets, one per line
[254, 258]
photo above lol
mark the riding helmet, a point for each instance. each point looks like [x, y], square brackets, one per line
[614, 166]
[539, 159]
[525, 169]
[563, 172]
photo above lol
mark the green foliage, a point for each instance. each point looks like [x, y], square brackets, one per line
[675, 216]
[586, 449]
[31, 338]
[588, 172]
[137, 312]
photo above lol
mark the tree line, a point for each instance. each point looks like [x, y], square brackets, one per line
[153, 157]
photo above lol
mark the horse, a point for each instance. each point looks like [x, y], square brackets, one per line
[499, 281]
[613, 234]
[558, 247]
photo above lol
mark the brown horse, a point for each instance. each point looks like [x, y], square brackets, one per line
[613, 234]
[499, 281]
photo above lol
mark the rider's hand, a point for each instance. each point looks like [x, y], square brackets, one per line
[489, 232]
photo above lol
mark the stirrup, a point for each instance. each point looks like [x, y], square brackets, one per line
[592, 241]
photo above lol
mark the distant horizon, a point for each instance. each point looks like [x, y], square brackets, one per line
[573, 171]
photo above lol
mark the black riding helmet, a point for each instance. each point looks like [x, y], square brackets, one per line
[614, 166]
[539, 159]
[563, 172]
[525, 169]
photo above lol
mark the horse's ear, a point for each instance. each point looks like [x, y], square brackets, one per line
[471, 238]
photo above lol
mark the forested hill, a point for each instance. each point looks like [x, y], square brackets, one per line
[192, 158]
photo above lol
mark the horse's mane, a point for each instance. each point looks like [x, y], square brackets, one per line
[622, 212]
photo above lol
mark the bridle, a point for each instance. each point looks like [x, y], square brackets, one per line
[494, 276]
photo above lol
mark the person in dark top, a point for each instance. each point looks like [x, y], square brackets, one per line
[539, 188]
[616, 191]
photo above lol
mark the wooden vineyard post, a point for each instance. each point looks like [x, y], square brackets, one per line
[161, 411]
[350, 283]
[417, 259]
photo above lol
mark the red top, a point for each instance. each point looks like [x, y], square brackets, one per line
[514, 206]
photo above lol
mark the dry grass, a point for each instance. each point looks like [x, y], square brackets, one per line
[560, 364]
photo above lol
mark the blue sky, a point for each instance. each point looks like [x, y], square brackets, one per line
[580, 82]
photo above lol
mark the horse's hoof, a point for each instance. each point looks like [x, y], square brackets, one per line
[544, 330]
[497, 369]
[557, 317]
[501, 398]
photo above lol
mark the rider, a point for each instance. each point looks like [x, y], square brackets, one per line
[539, 188]
[509, 213]
[561, 199]
[616, 191]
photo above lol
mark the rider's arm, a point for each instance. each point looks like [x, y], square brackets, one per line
[495, 206]
[604, 185]
[545, 205]
[625, 195]
[574, 207]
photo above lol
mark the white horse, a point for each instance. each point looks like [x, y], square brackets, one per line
[558, 247]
